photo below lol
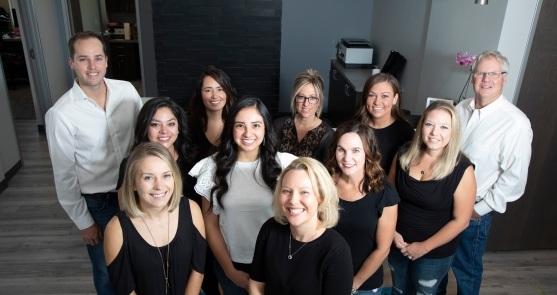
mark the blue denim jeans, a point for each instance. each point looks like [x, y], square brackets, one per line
[228, 287]
[376, 291]
[421, 276]
[102, 209]
[468, 264]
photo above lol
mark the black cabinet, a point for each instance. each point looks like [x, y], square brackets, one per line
[124, 60]
[121, 6]
[343, 98]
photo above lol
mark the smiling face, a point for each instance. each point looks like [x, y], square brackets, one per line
[380, 101]
[298, 200]
[153, 183]
[350, 155]
[248, 133]
[488, 89]
[436, 130]
[306, 109]
[89, 62]
[213, 95]
[163, 128]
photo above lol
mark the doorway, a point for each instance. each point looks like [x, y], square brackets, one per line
[15, 65]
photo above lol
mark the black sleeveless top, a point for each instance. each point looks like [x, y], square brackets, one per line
[138, 265]
[426, 206]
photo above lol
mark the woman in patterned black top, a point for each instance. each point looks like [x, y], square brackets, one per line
[305, 134]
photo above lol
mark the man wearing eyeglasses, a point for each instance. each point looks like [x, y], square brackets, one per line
[497, 138]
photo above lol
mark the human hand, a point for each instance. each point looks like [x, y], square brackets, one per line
[399, 241]
[92, 235]
[414, 250]
[240, 278]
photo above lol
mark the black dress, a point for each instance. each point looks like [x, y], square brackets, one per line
[138, 265]
[358, 225]
[323, 266]
[390, 139]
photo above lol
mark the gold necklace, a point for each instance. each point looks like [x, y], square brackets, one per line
[290, 254]
[165, 272]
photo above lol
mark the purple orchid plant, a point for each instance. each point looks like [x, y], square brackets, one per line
[465, 59]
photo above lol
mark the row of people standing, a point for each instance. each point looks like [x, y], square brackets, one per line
[243, 134]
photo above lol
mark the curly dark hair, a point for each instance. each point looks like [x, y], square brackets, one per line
[183, 144]
[227, 153]
[196, 108]
[374, 176]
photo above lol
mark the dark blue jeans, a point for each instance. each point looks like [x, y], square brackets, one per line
[421, 276]
[468, 264]
[102, 209]
[228, 287]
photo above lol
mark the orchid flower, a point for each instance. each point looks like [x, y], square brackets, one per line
[464, 59]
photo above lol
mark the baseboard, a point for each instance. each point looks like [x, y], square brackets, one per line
[3, 185]
[9, 175]
[13, 171]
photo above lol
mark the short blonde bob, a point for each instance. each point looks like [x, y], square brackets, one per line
[130, 199]
[322, 185]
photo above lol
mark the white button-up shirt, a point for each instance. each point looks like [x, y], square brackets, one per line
[87, 144]
[498, 140]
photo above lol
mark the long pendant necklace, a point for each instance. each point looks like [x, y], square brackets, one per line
[165, 272]
[290, 254]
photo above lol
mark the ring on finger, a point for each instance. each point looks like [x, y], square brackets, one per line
[409, 257]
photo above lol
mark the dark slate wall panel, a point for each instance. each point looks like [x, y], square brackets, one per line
[241, 37]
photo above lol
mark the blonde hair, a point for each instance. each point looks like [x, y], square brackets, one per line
[130, 199]
[309, 76]
[451, 154]
[322, 185]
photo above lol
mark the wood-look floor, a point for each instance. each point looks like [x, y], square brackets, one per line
[41, 251]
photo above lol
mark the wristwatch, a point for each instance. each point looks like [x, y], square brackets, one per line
[354, 291]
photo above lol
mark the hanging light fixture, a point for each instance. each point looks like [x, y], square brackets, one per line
[481, 2]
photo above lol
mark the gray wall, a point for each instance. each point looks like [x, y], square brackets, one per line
[310, 33]
[430, 33]
[473, 29]
[401, 25]
[9, 149]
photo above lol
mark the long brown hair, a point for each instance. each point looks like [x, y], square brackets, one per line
[374, 176]
[363, 115]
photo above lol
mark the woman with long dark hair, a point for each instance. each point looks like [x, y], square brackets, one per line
[162, 120]
[209, 108]
[236, 184]
[380, 108]
[368, 201]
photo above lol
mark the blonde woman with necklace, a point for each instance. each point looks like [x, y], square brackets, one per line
[297, 252]
[368, 201]
[437, 188]
[156, 245]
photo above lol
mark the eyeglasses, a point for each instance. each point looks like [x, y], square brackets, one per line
[311, 99]
[493, 75]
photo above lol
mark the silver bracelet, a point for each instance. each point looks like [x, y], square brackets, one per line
[354, 291]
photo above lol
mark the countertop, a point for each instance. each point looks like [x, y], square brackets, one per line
[356, 77]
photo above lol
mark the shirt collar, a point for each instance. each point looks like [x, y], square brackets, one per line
[488, 109]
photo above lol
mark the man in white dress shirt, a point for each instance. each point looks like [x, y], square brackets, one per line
[497, 138]
[89, 131]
